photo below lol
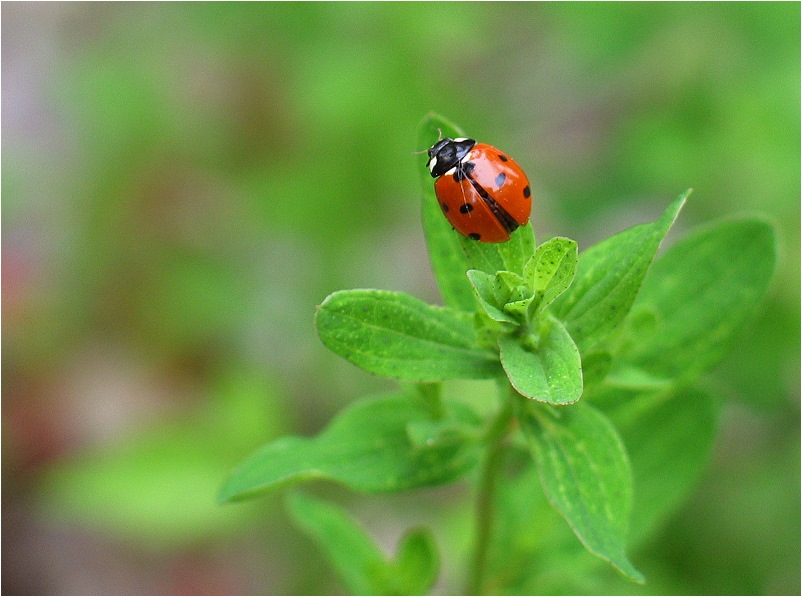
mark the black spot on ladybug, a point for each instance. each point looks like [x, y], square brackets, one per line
[445, 207]
[527, 191]
[468, 167]
[500, 179]
[474, 236]
[459, 175]
[465, 208]
[503, 157]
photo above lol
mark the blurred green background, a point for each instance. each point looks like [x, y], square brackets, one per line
[183, 183]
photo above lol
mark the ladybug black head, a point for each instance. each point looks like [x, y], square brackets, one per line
[447, 153]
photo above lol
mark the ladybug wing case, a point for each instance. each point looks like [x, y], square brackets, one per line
[504, 181]
[467, 211]
[486, 196]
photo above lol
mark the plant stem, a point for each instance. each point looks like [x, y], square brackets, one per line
[486, 491]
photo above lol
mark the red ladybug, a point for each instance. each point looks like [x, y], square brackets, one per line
[482, 191]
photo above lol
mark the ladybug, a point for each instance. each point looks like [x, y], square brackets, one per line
[483, 193]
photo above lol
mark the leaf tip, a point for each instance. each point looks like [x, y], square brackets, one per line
[225, 495]
[630, 572]
[676, 206]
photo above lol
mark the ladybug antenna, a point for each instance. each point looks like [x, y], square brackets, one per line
[439, 138]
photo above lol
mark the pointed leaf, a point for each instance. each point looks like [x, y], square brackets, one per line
[347, 547]
[552, 269]
[449, 263]
[551, 373]
[668, 436]
[484, 287]
[396, 335]
[510, 287]
[522, 310]
[362, 567]
[586, 476]
[702, 290]
[417, 564]
[608, 277]
[367, 447]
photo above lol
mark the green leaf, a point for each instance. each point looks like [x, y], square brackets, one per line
[595, 367]
[449, 263]
[426, 433]
[551, 270]
[509, 286]
[484, 287]
[347, 547]
[396, 335]
[367, 447]
[552, 372]
[608, 277]
[488, 330]
[668, 436]
[429, 396]
[702, 290]
[585, 475]
[510, 256]
[417, 564]
[533, 550]
[363, 568]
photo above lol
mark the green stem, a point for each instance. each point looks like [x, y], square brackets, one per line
[486, 491]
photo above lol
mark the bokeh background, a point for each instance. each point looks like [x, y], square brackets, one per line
[183, 183]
